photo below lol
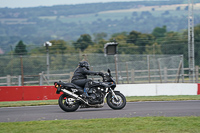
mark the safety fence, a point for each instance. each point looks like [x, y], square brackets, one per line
[127, 69]
[125, 77]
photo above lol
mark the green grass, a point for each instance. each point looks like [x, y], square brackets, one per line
[129, 99]
[28, 103]
[163, 98]
[112, 125]
[116, 125]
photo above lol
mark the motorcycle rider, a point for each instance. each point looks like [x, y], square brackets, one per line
[80, 76]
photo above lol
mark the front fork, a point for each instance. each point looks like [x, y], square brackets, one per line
[113, 94]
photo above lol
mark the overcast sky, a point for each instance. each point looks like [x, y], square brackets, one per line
[33, 3]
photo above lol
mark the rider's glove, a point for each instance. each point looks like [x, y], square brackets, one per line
[100, 74]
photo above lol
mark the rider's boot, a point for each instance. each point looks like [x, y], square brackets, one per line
[85, 94]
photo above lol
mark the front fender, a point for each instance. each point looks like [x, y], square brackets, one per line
[110, 93]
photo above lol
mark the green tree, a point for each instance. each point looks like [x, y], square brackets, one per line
[154, 49]
[140, 40]
[124, 47]
[144, 40]
[197, 44]
[134, 14]
[132, 37]
[119, 37]
[58, 47]
[83, 42]
[178, 8]
[20, 48]
[96, 48]
[127, 48]
[173, 43]
[99, 36]
[159, 32]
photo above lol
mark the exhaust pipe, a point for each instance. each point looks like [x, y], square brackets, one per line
[73, 95]
[79, 98]
[69, 93]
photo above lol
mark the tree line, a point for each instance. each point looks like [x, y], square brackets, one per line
[39, 24]
[64, 53]
[160, 41]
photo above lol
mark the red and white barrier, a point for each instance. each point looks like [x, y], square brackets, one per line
[20, 93]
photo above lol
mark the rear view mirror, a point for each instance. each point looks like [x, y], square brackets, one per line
[109, 71]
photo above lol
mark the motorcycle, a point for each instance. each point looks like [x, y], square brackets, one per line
[98, 92]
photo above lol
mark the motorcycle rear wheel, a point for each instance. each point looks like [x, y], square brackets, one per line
[66, 107]
[114, 103]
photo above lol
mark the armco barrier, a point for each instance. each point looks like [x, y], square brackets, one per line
[19, 93]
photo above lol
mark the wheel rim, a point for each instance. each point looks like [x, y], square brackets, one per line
[64, 102]
[116, 102]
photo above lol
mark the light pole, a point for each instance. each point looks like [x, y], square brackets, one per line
[111, 49]
[191, 41]
[47, 45]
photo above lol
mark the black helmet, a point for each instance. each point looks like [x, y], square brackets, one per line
[84, 64]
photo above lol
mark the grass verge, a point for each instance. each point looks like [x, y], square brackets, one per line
[116, 125]
[162, 98]
[129, 99]
[28, 103]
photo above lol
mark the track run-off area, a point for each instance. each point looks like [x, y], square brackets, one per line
[132, 109]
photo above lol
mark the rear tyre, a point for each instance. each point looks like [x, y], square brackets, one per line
[67, 106]
[118, 103]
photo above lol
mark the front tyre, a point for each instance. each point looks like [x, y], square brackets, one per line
[67, 103]
[118, 103]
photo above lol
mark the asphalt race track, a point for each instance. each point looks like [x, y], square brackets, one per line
[132, 109]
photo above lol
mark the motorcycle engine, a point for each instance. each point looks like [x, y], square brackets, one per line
[96, 96]
[93, 96]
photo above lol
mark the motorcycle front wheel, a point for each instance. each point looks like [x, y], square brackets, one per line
[67, 103]
[116, 103]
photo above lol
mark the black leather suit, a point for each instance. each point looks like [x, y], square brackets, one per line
[80, 77]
